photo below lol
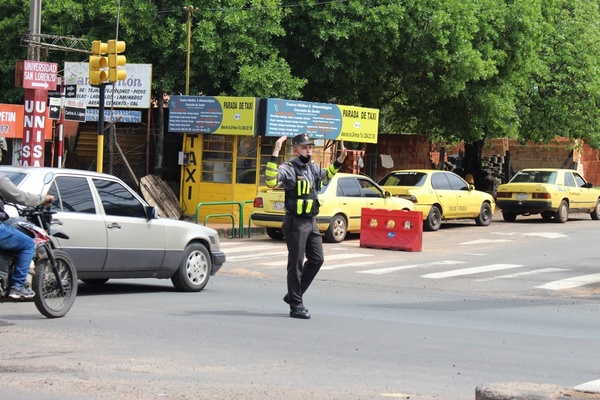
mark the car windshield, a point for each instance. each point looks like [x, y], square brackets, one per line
[533, 176]
[405, 178]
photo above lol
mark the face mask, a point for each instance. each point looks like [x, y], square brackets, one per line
[304, 159]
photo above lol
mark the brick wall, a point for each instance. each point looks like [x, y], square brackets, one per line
[415, 151]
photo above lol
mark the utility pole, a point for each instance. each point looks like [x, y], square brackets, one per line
[35, 23]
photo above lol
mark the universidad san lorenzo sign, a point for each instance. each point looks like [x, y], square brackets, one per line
[272, 117]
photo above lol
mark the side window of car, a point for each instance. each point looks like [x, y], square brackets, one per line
[456, 182]
[347, 187]
[580, 182]
[569, 181]
[72, 194]
[117, 200]
[439, 181]
[368, 189]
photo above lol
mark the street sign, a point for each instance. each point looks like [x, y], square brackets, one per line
[54, 108]
[74, 111]
[40, 75]
[70, 92]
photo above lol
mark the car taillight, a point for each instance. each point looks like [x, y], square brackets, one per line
[503, 195]
[540, 195]
[258, 202]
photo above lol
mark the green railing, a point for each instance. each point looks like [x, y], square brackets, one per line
[240, 230]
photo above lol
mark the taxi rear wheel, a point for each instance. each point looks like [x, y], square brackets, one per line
[485, 215]
[509, 216]
[595, 214]
[562, 214]
[338, 228]
[274, 233]
[434, 219]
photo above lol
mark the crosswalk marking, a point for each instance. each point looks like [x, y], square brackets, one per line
[328, 267]
[519, 274]
[485, 241]
[241, 249]
[571, 283]
[267, 255]
[470, 271]
[250, 257]
[382, 271]
[546, 235]
[327, 258]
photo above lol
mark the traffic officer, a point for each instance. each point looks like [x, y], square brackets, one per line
[301, 178]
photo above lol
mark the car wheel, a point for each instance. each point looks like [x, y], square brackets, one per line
[194, 270]
[434, 219]
[595, 214]
[94, 281]
[562, 214]
[337, 230]
[485, 215]
[275, 234]
[509, 216]
[547, 216]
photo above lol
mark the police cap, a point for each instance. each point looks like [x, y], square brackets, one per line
[301, 139]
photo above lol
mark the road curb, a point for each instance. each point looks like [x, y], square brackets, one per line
[531, 391]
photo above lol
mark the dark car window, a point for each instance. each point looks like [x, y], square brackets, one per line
[347, 187]
[456, 182]
[72, 194]
[569, 181]
[117, 200]
[368, 189]
[440, 182]
[408, 178]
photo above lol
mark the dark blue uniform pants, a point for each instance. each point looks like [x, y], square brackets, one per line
[303, 240]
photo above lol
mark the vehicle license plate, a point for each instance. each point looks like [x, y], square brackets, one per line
[522, 196]
[278, 205]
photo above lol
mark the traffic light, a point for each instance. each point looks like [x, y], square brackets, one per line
[98, 63]
[115, 61]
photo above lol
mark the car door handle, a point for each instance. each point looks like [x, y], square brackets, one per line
[114, 225]
[56, 222]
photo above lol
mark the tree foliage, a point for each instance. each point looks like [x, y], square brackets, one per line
[450, 69]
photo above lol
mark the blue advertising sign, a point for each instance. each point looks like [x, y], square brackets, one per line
[292, 117]
[129, 116]
[219, 115]
[321, 120]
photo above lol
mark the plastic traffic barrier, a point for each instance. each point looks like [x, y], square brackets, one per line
[391, 229]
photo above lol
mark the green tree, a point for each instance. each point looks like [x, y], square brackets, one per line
[562, 97]
[449, 69]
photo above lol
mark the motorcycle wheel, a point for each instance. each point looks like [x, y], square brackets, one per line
[48, 299]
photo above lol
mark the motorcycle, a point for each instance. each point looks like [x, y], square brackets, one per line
[54, 279]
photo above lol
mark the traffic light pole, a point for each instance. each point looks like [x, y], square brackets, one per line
[100, 150]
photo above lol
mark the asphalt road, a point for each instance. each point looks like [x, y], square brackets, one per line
[508, 302]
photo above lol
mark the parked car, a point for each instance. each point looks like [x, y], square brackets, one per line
[440, 195]
[342, 200]
[114, 233]
[553, 193]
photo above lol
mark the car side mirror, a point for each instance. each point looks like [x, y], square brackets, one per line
[150, 212]
[470, 187]
[588, 185]
[386, 193]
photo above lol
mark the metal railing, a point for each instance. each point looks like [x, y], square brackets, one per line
[240, 204]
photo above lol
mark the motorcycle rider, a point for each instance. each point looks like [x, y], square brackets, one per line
[14, 240]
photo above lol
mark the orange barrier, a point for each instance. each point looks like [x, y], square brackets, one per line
[391, 229]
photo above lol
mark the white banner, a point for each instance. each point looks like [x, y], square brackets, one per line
[133, 92]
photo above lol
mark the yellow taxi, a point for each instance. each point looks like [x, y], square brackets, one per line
[551, 192]
[440, 195]
[341, 202]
